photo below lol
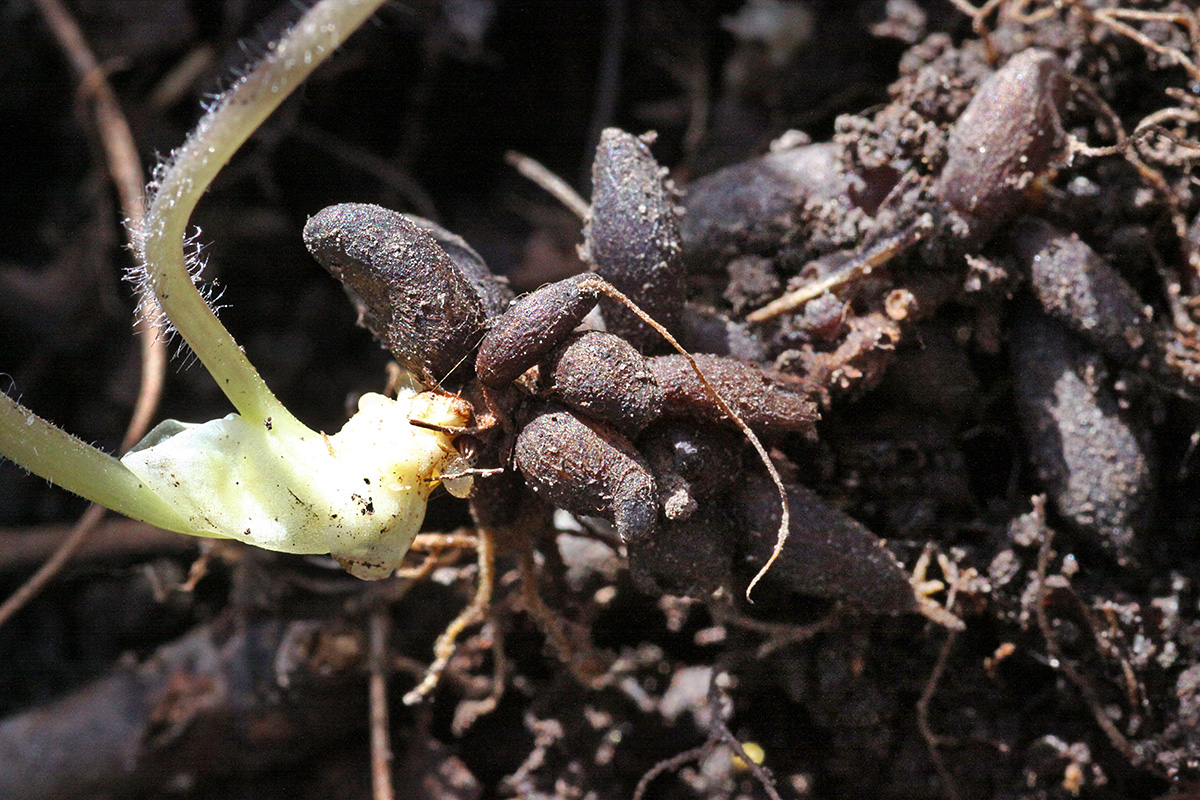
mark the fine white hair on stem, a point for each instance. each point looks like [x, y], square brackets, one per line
[179, 182]
[150, 311]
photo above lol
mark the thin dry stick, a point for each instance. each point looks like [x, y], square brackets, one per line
[932, 740]
[721, 731]
[444, 649]
[53, 565]
[1115, 737]
[671, 765]
[126, 172]
[862, 265]
[171, 88]
[380, 628]
[548, 181]
[124, 167]
[118, 537]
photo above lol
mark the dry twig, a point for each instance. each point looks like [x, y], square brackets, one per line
[1115, 736]
[932, 740]
[381, 746]
[125, 169]
[555, 186]
[861, 265]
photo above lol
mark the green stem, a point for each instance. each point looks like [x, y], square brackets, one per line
[191, 169]
[57, 456]
[40, 447]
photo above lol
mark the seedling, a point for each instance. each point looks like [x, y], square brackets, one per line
[258, 475]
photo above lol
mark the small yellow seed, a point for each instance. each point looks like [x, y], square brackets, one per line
[754, 751]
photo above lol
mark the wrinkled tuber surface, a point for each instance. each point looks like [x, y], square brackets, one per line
[607, 379]
[380, 256]
[1094, 459]
[1077, 287]
[557, 443]
[632, 237]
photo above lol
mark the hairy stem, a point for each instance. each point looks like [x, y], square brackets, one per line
[191, 169]
[40, 447]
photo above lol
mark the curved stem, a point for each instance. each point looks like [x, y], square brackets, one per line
[191, 169]
[40, 447]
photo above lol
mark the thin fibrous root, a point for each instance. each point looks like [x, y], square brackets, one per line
[785, 516]
[1058, 659]
[443, 651]
[933, 742]
[584, 663]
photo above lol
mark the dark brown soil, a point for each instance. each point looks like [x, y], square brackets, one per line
[1006, 365]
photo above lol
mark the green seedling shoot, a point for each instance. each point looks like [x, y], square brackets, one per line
[259, 475]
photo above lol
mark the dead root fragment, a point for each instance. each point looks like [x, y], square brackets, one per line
[861, 265]
[859, 361]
